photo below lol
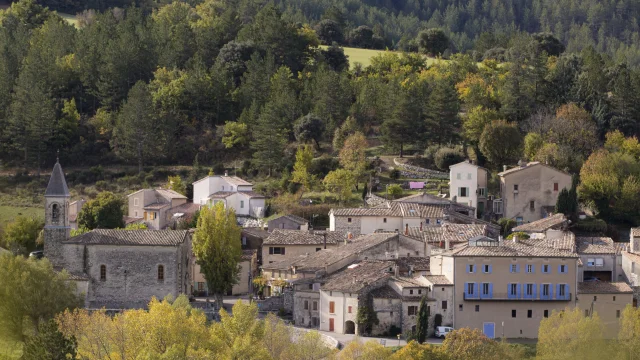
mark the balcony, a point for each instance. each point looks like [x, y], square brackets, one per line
[519, 297]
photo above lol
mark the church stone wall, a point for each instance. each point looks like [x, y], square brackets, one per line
[132, 275]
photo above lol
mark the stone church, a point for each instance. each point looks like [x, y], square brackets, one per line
[115, 269]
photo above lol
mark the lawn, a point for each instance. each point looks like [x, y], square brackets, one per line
[363, 56]
[70, 18]
[9, 213]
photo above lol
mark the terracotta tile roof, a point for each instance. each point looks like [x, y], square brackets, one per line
[454, 217]
[356, 277]
[396, 209]
[248, 254]
[130, 237]
[567, 242]
[621, 247]
[255, 232]
[408, 282]
[631, 256]
[221, 194]
[130, 219]
[303, 237]
[296, 219]
[170, 194]
[186, 208]
[512, 250]
[78, 277]
[418, 262]
[595, 245]
[429, 199]
[455, 233]
[57, 184]
[542, 225]
[251, 194]
[529, 165]
[385, 292]
[635, 232]
[235, 180]
[156, 206]
[439, 280]
[603, 287]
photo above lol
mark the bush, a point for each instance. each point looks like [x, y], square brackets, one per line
[506, 225]
[521, 235]
[394, 331]
[394, 190]
[446, 157]
[394, 174]
[591, 225]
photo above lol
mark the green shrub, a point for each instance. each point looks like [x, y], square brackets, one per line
[394, 174]
[394, 190]
[506, 225]
[521, 235]
[591, 225]
[446, 157]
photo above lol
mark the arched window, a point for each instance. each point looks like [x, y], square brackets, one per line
[55, 213]
[103, 272]
[160, 273]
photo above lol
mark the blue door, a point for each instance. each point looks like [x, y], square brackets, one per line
[489, 330]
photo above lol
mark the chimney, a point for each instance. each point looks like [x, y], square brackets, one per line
[354, 279]
[504, 167]
[406, 229]
[420, 225]
[446, 243]
[500, 239]
[515, 239]
[325, 239]
[396, 270]
[410, 270]
[427, 251]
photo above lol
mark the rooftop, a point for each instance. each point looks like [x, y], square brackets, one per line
[296, 219]
[385, 292]
[603, 287]
[528, 166]
[621, 247]
[130, 237]
[248, 254]
[303, 237]
[566, 242]
[595, 245]
[418, 262]
[186, 208]
[355, 278]
[511, 249]
[396, 209]
[221, 194]
[230, 179]
[168, 193]
[635, 232]
[407, 282]
[156, 206]
[438, 280]
[541, 225]
[454, 233]
[255, 232]
[130, 219]
[631, 256]
[57, 184]
[251, 194]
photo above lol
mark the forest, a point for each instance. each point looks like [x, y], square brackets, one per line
[239, 81]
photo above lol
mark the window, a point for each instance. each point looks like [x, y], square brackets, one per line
[410, 292]
[595, 298]
[349, 309]
[513, 313]
[519, 220]
[318, 249]
[135, 202]
[310, 286]
[529, 313]
[477, 308]
[412, 310]
[390, 313]
[470, 288]
[460, 307]
[482, 191]
[618, 314]
[315, 306]
[545, 290]
[555, 186]
[514, 268]
[135, 213]
[241, 204]
[515, 187]
[485, 289]
[562, 269]
[614, 298]
[468, 176]
[530, 268]
[599, 262]
[486, 269]
[545, 268]
[546, 313]
[384, 220]
[276, 250]
[200, 286]
[591, 262]
[160, 273]
[513, 289]
[306, 304]
[420, 293]
[244, 241]
[470, 268]
[562, 290]
[458, 176]
[463, 191]
[532, 205]
[103, 272]
[332, 307]
[529, 289]
[348, 220]
[444, 304]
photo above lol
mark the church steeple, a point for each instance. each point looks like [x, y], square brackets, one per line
[56, 216]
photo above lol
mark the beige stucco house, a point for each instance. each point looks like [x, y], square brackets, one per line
[152, 206]
[283, 244]
[468, 185]
[232, 191]
[248, 271]
[528, 191]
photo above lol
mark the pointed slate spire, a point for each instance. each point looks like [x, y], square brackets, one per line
[57, 184]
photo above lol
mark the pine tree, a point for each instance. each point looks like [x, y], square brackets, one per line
[442, 112]
[269, 140]
[563, 203]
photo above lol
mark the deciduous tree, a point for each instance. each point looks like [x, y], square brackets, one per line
[433, 41]
[569, 333]
[21, 235]
[301, 173]
[501, 143]
[466, 343]
[341, 183]
[49, 343]
[103, 212]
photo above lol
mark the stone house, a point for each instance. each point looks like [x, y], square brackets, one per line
[252, 239]
[232, 191]
[248, 271]
[528, 189]
[289, 222]
[152, 206]
[282, 244]
[425, 198]
[607, 299]
[441, 290]
[598, 259]
[119, 269]
[468, 185]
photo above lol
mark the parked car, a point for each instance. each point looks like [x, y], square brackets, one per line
[442, 331]
[591, 279]
[37, 254]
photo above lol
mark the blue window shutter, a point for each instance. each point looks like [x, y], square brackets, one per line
[517, 268]
[467, 269]
[533, 269]
[557, 291]
[510, 268]
[559, 269]
[489, 269]
[475, 290]
[490, 290]
[542, 295]
[550, 292]
[533, 295]
[518, 291]
[466, 286]
[566, 292]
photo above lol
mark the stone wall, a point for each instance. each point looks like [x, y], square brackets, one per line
[304, 317]
[342, 224]
[53, 248]
[132, 275]
[288, 300]
[273, 303]
[389, 312]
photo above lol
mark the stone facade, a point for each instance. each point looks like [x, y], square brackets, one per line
[342, 224]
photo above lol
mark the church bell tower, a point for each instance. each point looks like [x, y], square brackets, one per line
[56, 215]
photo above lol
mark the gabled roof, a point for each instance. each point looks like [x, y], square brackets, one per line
[156, 206]
[528, 166]
[467, 162]
[358, 276]
[186, 208]
[57, 184]
[396, 209]
[130, 237]
[168, 193]
[221, 194]
[255, 232]
[604, 287]
[621, 247]
[567, 242]
[230, 179]
[439, 280]
[251, 194]
[385, 292]
[595, 245]
[542, 225]
[303, 237]
[512, 249]
[429, 199]
[296, 219]
[454, 233]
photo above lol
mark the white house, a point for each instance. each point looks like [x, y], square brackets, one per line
[233, 191]
[468, 185]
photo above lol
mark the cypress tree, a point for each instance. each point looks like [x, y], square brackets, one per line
[422, 327]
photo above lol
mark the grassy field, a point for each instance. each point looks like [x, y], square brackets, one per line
[9, 213]
[363, 56]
